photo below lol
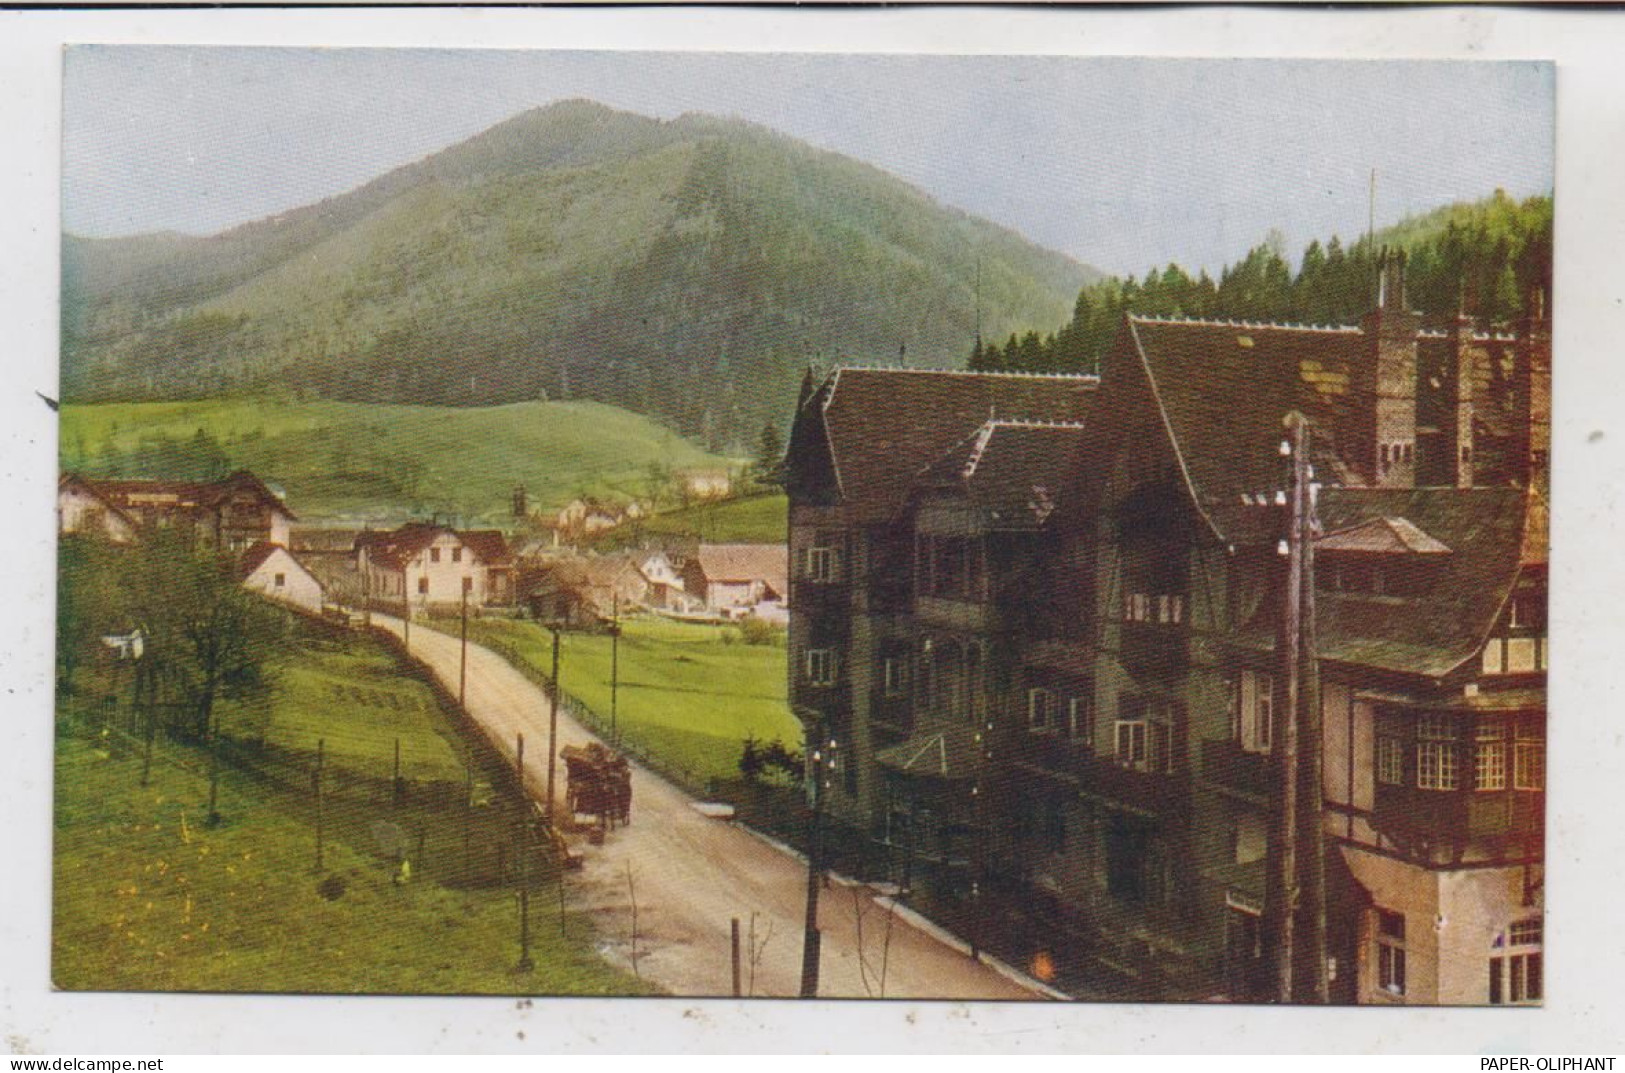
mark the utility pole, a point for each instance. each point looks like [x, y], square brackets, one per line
[1281, 890]
[812, 939]
[1314, 984]
[553, 724]
[462, 665]
[1295, 899]
[406, 616]
[614, 666]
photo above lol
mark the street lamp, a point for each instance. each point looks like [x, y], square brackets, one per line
[822, 765]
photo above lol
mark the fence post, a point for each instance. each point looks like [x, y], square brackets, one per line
[735, 945]
[316, 779]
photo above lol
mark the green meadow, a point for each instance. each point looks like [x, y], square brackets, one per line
[148, 896]
[689, 694]
[755, 519]
[345, 461]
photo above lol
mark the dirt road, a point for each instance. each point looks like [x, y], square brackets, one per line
[690, 875]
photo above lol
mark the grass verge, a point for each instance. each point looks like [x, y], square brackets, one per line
[148, 897]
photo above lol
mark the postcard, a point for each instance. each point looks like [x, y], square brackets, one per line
[768, 525]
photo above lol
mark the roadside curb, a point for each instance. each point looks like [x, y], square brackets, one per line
[923, 924]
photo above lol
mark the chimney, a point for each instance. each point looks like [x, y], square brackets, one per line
[1532, 384]
[1387, 385]
[1459, 420]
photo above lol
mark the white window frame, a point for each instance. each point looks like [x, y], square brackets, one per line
[821, 666]
[1490, 757]
[823, 564]
[1040, 709]
[1517, 976]
[1080, 719]
[1389, 935]
[1438, 758]
[1390, 760]
[1255, 711]
[1529, 765]
[1135, 734]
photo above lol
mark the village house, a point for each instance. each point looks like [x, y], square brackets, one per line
[272, 571]
[664, 586]
[82, 509]
[705, 483]
[733, 579]
[429, 567]
[582, 591]
[1035, 623]
[232, 514]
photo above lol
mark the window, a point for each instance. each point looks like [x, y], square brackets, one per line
[823, 564]
[1436, 767]
[1529, 765]
[1390, 761]
[1040, 709]
[280, 580]
[423, 586]
[468, 585]
[1490, 757]
[1080, 719]
[1391, 952]
[894, 676]
[1143, 736]
[1518, 975]
[1520, 655]
[1167, 609]
[434, 555]
[456, 555]
[1131, 743]
[821, 666]
[1254, 708]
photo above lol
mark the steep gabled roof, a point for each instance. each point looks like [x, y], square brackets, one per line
[1460, 594]
[1016, 471]
[746, 562]
[262, 552]
[1382, 536]
[1224, 389]
[137, 493]
[75, 483]
[488, 544]
[880, 427]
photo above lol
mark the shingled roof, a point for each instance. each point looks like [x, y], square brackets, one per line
[883, 426]
[393, 549]
[142, 493]
[769, 563]
[1224, 389]
[1015, 471]
[1446, 621]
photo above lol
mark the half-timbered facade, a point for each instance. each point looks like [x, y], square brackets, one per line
[1037, 621]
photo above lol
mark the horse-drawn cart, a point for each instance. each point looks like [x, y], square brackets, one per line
[599, 784]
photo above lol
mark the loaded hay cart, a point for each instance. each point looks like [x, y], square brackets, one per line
[599, 784]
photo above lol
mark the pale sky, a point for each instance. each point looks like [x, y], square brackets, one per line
[1121, 163]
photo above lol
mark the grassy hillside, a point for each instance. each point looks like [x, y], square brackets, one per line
[755, 519]
[685, 268]
[340, 460]
[689, 695]
[148, 897]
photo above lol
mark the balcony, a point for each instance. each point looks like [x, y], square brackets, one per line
[962, 615]
[1432, 817]
[1158, 793]
[1225, 763]
[819, 597]
[1155, 650]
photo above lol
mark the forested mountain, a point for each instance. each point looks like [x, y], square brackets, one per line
[685, 269]
[1485, 258]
